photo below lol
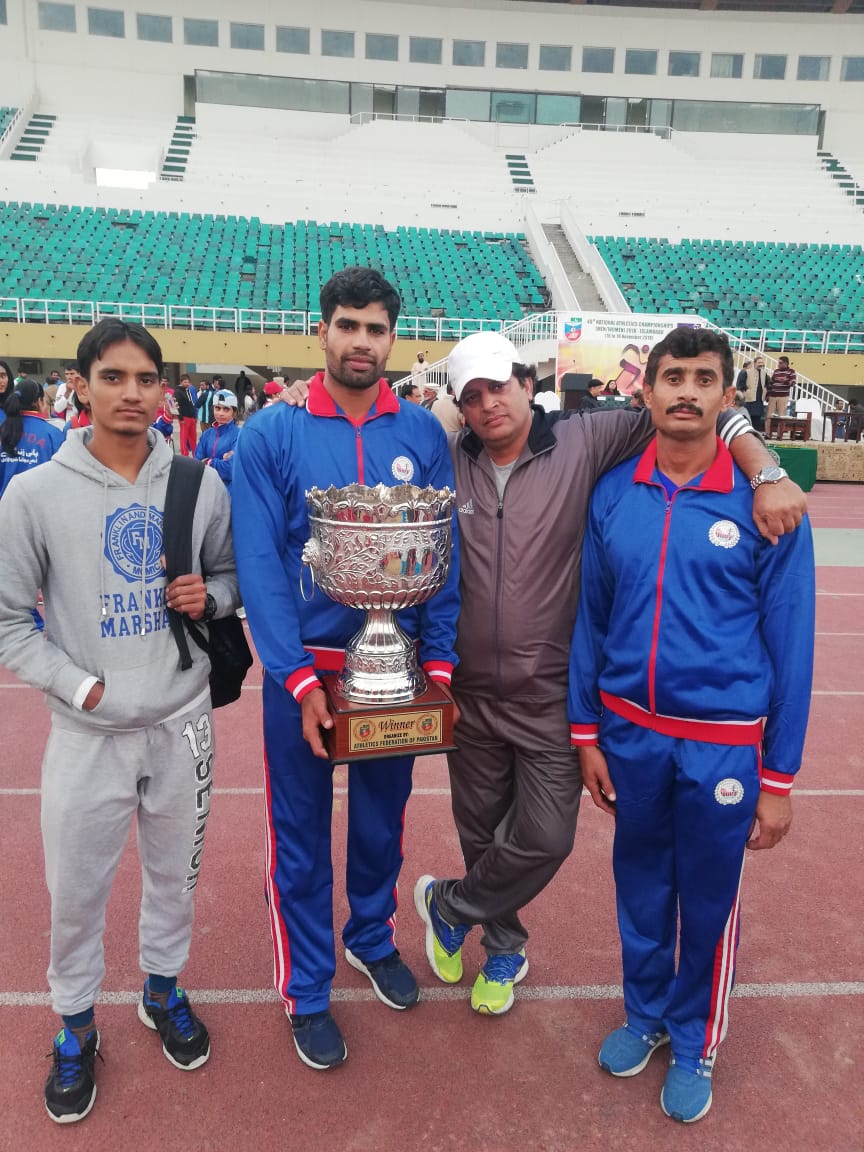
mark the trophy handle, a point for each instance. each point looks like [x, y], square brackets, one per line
[303, 595]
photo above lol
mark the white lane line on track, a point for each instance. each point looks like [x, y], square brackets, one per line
[549, 992]
[437, 792]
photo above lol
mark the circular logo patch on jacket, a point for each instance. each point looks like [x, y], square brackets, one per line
[124, 543]
[724, 534]
[729, 791]
[402, 469]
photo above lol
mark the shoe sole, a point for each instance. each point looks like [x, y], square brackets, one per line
[485, 1010]
[637, 1068]
[74, 1117]
[357, 963]
[150, 1023]
[423, 912]
[689, 1119]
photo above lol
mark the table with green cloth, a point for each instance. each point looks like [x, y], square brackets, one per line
[799, 461]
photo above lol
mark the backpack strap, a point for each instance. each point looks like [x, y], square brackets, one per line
[184, 481]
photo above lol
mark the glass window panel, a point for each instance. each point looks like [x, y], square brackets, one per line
[661, 114]
[424, 50]
[408, 101]
[640, 62]
[381, 47]
[769, 67]
[738, 116]
[335, 43]
[361, 98]
[616, 111]
[684, 63]
[273, 92]
[432, 102]
[292, 40]
[204, 33]
[468, 104]
[155, 28]
[56, 17]
[106, 22]
[727, 65]
[3, 12]
[555, 57]
[813, 67]
[249, 36]
[511, 56]
[469, 53]
[852, 68]
[555, 109]
[513, 107]
[598, 59]
[593, 109]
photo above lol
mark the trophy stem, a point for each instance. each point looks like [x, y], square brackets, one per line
[380, 663]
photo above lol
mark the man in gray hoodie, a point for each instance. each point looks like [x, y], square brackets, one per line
[131, 734]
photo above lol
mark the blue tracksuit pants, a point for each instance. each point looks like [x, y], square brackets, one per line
[684, 812]
[299, 880]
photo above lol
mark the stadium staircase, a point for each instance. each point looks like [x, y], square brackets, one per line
[177, 157]
[842, 178]
[33, 138]
[520, 173]
[581, 281]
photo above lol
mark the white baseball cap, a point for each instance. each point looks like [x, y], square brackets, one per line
[481, 356]
[226, 398]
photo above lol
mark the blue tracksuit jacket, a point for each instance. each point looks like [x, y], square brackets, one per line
[689, 622]
[213, 445]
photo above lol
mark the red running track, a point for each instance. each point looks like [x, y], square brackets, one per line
[440, 1077]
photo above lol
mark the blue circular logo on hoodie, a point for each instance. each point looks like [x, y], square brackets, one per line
[124, 543]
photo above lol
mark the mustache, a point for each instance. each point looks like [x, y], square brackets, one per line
[694, 408]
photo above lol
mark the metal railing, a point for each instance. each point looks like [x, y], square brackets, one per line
[198, 318]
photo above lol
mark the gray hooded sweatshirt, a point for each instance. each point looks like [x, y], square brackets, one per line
[99, 567]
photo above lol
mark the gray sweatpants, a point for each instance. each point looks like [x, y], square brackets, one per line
[516, 786]
[92, 785]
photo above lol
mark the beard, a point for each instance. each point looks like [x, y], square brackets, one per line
[350, 378]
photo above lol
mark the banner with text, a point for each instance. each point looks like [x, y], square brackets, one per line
[612, 345]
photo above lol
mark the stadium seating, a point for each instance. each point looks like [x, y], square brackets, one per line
[741, 284]
[108, 254]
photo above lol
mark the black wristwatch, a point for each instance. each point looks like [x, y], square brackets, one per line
[209, 609]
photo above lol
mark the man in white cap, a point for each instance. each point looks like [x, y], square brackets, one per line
[216, 446]
[523, 483]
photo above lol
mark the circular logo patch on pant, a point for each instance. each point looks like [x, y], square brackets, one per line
[729, 791]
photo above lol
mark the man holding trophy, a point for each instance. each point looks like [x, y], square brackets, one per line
[352, 435]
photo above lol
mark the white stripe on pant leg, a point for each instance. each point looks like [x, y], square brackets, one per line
[279, 970]
[720, 1008]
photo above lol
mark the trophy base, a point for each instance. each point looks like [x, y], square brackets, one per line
[419, 727]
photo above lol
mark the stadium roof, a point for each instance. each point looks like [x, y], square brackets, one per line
[790, 6]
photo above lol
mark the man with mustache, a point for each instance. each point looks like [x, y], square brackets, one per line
[353, 430]
[690, 723]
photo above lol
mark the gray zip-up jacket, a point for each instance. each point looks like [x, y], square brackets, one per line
[99, 567]
[521, 556]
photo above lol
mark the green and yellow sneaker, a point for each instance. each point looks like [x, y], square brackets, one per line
[492, 994]
[443, 941]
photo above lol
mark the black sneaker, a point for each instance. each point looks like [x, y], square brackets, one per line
[318, 1040]
[392, 979]
[185, 1041]
[70, 1090]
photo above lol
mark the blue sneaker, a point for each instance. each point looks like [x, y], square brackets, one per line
[392, 979]
[443, 941]
[492, 994]
[318, 1040]
[626, 1051]
[70, 1090]
[686, 1094]
[185, 1040]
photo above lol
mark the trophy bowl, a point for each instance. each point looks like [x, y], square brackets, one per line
[380, 550]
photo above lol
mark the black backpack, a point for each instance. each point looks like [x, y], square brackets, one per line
[224, 640]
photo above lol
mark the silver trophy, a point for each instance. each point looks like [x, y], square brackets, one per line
[380, 549]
